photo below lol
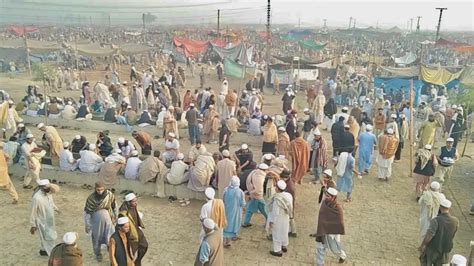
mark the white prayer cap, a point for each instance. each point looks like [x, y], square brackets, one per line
[163, 109]
[180, 156]
[369, 127]
[191, 104]
[390, 131]
[253, 92]
[134, 153]
[281, 157]
[263, 166]
[92, 147]
[328, 172]
[40, 125]
[268, 156]
[317, 132]
[225, 153]
[69, 238]
[121, 140]
[306, 110]
[29, 136]
[428, 147]
[124, 83]
[129, 107]
[210, 193]
[332, 191]
[281, 129]
[281, 184]
[171, 107]
[265, 117]
[130, 197]
[287, 89]
[10, 101]
[435, 185]
[42, 182]
[211, 106]
[454, 106]
[235, 181]
[21, 125]
[122, 220]
[402, 115]
[209, 223]
[459, 108]
[442, 109]
[345, 108]
[445, 203]
[347, 126]
[449, 140]
[458, 260]
[65, 144]
[171, 134]
[393, 116]
[78, 137]
[244, 146]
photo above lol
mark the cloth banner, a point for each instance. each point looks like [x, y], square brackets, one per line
[438, 76]
[400, 71]
[397, 83]
[237, 52]
[407, 59]
[284, 76]
[311, 44]
[234, 69]
[306, 74]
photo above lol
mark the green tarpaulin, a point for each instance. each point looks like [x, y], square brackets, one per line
[238, 52]
[233, 69]
[311, 44]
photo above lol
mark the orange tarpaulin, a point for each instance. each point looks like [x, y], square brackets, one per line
[20, 30]
[465, 49]
[191, 47]
[449, 43]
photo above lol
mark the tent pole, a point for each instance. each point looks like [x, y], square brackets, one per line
[27, 51]
[410, 134]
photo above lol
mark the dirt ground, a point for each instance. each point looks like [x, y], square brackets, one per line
[381, 223]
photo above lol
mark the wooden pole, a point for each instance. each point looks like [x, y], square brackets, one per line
[27, 51]
[410, 134]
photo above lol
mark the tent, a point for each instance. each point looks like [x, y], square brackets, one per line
[405, 72]
[444, 42]
[397, 83]
[234, 69]
[311, 44]
[191, 47]
[238, 52]
[464, 49]
[438, 75]
[93, 49]
[21, 30]
[132, 49]
[407, 59]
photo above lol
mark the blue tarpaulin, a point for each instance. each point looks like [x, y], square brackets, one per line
[397, 83]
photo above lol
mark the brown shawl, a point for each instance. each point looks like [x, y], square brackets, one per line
[330, 219]
[284, 145]
[299, 159]
[387, 146]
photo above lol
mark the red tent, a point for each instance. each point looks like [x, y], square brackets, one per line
[21, 30]
[449, 43]
[191, 47]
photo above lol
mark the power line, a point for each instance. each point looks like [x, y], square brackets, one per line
[117, 5]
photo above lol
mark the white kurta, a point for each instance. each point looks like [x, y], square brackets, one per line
[281, 223]
[90, 162]
[131, 169]
[42, 217]
[206, 210]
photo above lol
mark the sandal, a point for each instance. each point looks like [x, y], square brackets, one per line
[186, 203]
[236, 238]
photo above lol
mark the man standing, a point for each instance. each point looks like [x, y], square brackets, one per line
[234, 201]
[330, 228]
[280, 213]
[367, 142]
[170, 124]
[318, 106]
[226, 168]
[379, 122]
[403, 131]
[230, 102]
[254, 183]
[387, 147]
[192, 116]
[299, 158]
[54, 141]
[100, 212]
[211, 250]
[120, 251]
[5, 181]
[138, 242]
[427, 131]
[33, 158]
[429, 206]
[446, 159]
[337, 130]
[270, 137]
[66, 253]
[318, 156]
[438, 241]
[284, 147]
[42, 216]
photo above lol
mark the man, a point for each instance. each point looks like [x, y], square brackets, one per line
[109, 170]
[284, 147]
[42, 216]
[299, 158]
[270, 137]
[318, 107]
[343, 113]
[171, 148]
[195, 150]
[429, 206]
[200, 174]
[33, 156]
[245, 158]
[211, 250]
[308, 122]
[214, 209]
[170, 124]
[347, 142]
[226, 168]
[457, 124]
[291, 124]
[230, 102]
[144, 140]
[318, 158]
[100, 212]
[137, 240]
[421, 115]
[79, 143]
[403, 131]
[192, 116]
[388, 144]
[427, 131]
[255, 189]
[287, 100]
[53, 139]
[66, 253]
[234, 202]
[152, 169]
[438, 241]
[330, 228]
[280, 212]
[120, 251]
[5, 181]
[177, 174]
[126, 146]
[337, 130]
[367, 142]
[21, 133]
[233, 124]
[458, 260]
[132, 166]
[90, 161]
[379, 122]
[446, 159]
[211, 124]
[66, 159]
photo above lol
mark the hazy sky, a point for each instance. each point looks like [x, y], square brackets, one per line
[386, 13]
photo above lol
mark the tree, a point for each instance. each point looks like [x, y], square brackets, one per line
[148, 17]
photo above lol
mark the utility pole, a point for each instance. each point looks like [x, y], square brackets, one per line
[411, 25]
[441, 9]
[109, 22]
[268, 32]
[218, 22]
[144, 28]
[418, 24]
[324, 23]
[354, 24]
[350, 22]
